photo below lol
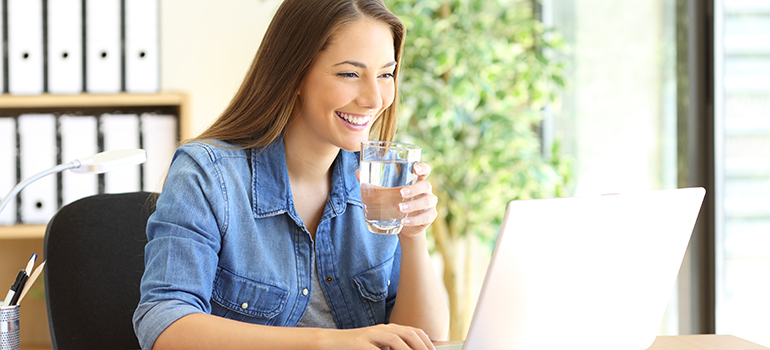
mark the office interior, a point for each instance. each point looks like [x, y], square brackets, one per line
[661, 94]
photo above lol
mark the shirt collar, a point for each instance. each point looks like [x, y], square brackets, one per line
[270, 181]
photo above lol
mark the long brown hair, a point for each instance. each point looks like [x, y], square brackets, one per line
[299, 30]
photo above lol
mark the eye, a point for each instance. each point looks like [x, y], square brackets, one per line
[388, 76]
[347, 75]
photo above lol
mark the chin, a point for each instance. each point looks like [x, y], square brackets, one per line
[353, 146]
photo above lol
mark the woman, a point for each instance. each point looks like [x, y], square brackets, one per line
[260, 219]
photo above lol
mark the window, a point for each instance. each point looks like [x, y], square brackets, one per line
[742, 167]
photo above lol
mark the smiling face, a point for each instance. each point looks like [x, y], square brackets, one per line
[348, 86]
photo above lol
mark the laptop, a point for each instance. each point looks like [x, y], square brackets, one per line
[583, 272]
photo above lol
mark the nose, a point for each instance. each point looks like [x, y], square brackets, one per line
[369, 95]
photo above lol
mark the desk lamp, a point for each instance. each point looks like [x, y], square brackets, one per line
[96, 164]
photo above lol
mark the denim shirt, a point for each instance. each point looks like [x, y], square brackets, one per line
[226, 240]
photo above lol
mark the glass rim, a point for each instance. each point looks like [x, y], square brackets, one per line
[390, 144]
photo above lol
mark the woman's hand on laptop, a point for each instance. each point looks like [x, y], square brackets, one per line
[381, 336]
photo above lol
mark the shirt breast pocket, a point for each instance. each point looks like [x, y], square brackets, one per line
[246, 300]
[373, 289]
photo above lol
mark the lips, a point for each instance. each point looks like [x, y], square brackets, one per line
[355, 119]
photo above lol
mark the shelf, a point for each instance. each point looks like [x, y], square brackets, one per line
[177, 103]
[49, 101]
[15, 104]
[90, 100]
[22, 232]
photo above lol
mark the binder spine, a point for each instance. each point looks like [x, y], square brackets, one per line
[100, 146]
[84, 45]
[123, 45]
[142, 167]
[5, 45]
[25, 47]
[45, 48]
[18, 167]
[59, 176]
[8, 167]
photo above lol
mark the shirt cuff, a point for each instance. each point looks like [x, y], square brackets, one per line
[151, 319]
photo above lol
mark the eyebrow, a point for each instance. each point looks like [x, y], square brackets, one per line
[363, 66]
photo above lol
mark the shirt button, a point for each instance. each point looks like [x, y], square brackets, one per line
[304, 291]
[329, 279]
[245, 306]
[388, 282]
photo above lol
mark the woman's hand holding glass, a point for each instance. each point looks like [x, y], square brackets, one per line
[416, 201]
[419, 203]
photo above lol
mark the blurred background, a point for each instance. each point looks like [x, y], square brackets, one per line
[632, 95]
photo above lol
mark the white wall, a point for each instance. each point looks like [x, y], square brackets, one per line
[206, 49]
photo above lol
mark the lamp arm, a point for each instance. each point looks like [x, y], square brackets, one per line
[57, 169]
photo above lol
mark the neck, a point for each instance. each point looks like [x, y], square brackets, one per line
[306, 162]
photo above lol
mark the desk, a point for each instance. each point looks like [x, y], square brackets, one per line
[706, 341]
[694, 342]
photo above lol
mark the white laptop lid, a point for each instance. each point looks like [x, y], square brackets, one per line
[584, 272]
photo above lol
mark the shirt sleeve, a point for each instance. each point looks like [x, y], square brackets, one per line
[184, 238]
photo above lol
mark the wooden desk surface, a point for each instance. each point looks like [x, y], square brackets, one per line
[704, 341]
[695, 342]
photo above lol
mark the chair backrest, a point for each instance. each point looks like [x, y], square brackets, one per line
[94, 251]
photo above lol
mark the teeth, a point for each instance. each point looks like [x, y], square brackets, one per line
[354, 119]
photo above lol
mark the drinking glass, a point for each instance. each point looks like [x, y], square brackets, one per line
[386, 167]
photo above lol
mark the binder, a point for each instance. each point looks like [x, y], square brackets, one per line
[25, 47]
[7, 167]
[141, 52]
[37, 152]
[79, 139]
[121, 131]
[159, 139]
[103, 53]
[65, 46]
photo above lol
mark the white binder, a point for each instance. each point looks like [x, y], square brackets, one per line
[142, 59]
[159, 139]
[65, 46]
[37, 149]
[121, 131]
[25, 47]
[78, 140]
[7, 167]
[103, 46]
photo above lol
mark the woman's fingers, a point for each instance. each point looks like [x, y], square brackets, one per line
[418, 204]
[422, 170]
[412, 338]
[383, 336]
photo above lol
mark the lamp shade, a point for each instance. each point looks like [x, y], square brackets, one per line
[107, 161]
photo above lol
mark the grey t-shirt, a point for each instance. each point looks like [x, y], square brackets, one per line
[318, 314]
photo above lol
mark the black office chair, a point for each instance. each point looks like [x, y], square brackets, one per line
[94, 251]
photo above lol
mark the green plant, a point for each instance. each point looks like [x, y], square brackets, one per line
[473, 85]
